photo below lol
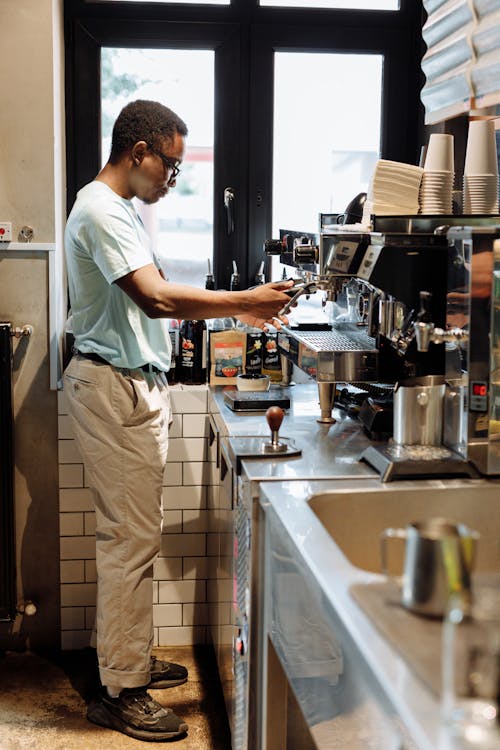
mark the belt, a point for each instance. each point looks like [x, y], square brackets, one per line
[97, 358]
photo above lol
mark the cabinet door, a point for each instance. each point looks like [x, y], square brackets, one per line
[225, 586]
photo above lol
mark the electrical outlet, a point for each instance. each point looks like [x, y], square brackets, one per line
[5, 231]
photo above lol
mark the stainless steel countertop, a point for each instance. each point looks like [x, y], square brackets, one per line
[328, 451]
[324, 559]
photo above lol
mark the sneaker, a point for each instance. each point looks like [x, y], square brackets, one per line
[136, 714]
[165, 674]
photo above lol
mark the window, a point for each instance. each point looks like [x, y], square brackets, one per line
[360, 5]
[181, 226]
[182, 2]
[265, 83]
[348, 4]
[321, 169]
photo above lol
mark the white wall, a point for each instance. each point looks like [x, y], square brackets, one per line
[182, 590]
[31, 189]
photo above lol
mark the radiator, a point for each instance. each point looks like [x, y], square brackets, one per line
[7, 516]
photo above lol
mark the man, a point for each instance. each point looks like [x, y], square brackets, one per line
[119, 400]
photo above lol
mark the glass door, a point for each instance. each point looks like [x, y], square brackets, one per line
[323, 151]
[325, 147]
[196, 70]
[180, 225]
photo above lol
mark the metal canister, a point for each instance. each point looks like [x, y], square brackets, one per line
[418, 411]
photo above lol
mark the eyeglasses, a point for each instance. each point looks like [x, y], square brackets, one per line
[167, 163]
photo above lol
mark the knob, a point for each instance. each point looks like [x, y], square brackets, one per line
[26, 233]
[27, 608]
[306, 253]
[274, 247]
[274, 416]
[422, 398]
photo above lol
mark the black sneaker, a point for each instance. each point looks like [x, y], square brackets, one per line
[136, 714]
[165, 674]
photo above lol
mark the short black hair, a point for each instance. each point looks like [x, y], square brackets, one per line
[144, 120]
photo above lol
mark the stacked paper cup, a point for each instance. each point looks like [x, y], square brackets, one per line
[436, 188]
[481, 169]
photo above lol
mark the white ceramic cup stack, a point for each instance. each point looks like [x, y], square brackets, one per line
[481, 169]
[436, 188]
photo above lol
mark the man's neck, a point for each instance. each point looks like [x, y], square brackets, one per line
[114, 177]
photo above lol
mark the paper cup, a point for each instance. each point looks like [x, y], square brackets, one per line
[481, 153]
[439, 156]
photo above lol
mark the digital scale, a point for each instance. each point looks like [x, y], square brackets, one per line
[255, 400]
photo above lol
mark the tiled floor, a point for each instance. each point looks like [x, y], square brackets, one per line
[43, 702]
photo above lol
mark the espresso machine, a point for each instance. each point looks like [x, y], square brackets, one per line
[402, 338]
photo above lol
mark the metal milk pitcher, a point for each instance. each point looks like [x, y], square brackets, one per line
[438, 562]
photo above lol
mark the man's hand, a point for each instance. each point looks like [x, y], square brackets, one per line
[264, 303]
[249, 320]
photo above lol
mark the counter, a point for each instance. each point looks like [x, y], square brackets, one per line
[328, 451]
[321, 516]
[330, 564]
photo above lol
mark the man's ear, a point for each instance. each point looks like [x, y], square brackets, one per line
[138, 151]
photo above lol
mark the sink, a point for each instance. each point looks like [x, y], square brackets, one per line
[355, 519]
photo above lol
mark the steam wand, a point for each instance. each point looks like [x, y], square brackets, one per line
[402, 339]
[426, 332]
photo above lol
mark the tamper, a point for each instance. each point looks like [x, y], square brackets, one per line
[255, 446]
[274, 416]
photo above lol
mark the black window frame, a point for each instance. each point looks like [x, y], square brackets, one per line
[245, 37]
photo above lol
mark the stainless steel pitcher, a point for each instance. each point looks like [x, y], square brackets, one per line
[439, 558]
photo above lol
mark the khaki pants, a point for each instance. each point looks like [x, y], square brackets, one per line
[121, 420]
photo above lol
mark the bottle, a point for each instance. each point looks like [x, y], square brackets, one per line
[253, 348]
[193, 352]
[209, 278]
[253, 352]
[271, 360]
[173, 331]
[234, 284]
[259, 276]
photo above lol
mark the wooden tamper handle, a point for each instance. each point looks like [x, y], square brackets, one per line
[274, 416]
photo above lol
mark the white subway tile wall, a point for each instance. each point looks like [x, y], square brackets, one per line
[181, 579]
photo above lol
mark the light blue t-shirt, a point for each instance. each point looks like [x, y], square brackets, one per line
[104, 240]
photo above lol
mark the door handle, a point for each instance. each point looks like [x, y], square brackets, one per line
[223, 468]
[229, 198]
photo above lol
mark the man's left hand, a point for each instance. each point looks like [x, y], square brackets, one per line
[250, 320]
